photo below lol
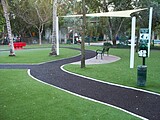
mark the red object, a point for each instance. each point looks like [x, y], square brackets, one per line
[19, 45]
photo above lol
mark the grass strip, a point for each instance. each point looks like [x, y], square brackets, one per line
[35, 55]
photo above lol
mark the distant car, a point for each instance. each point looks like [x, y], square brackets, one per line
[79, 40]
[156, 42]
[4, 41]
[128, 42]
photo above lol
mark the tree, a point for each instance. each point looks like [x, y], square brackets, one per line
[35, 13]
[64, 7]
[114, 25]
[6, 15]
[2, 20]
[143, 17]
[43, 17]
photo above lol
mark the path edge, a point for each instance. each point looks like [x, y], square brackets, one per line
[87, 98]
[114, 84]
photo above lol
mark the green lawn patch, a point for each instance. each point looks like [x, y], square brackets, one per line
[120, 73]
[4, 47]
[23, 98]
[38, 46]
[35, 55]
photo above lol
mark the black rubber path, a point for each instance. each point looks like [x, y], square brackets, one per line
[141, 103]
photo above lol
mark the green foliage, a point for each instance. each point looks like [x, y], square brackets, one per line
[2, 19]
[31, 15]
[2, 23]
[107, 44]
[144, 15]
[25, 11]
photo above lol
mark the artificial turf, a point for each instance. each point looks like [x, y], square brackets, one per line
[23, 98]
[35, 55]
[120, 73]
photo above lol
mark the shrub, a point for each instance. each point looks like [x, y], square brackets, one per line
[107, 44]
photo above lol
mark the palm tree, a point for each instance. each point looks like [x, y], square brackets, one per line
[53, 50]
[4, 5]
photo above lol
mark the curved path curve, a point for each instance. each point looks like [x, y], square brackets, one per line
[141, 103]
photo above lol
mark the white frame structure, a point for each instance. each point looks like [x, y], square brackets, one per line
[125, 13]
[150, 28]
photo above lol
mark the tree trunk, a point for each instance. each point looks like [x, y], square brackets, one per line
[40, 38]
[53, 49]
[110, 30]
[40, 29]
[4, 5]
[83, 36]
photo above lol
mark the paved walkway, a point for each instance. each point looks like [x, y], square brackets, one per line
[141, 103]
[106, 59]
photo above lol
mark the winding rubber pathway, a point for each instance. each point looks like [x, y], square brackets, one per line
[138, 102]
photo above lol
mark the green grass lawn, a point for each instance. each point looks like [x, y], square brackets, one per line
[22, 98]
[120, 73]
[35, 55]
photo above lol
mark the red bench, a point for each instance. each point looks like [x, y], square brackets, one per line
[19, 45]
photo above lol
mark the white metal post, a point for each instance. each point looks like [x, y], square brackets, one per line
[150, 29]
[57, 36]
[132, 42]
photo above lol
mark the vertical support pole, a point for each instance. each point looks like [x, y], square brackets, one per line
[150, 29]
[73, 34]
[143, 61]
[132, 42]
[57, 36]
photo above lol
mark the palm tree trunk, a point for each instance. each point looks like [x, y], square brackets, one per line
[4, 5]
[53, 49]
